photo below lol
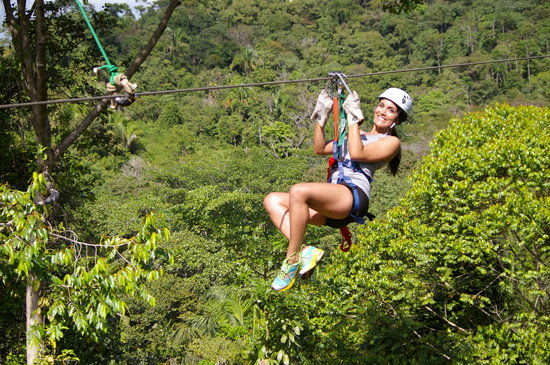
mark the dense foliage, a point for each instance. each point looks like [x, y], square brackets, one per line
[81, 280]
[456, 271]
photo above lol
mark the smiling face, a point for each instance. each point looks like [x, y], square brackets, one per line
[385, 115]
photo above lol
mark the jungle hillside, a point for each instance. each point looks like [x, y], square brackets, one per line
[136, 234]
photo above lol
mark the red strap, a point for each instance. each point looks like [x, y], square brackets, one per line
[345, 245]
[331, 162]
[336, 115]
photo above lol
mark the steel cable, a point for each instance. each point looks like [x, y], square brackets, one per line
[269, 83]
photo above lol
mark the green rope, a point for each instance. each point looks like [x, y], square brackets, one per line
[112, 69]
[343, 123]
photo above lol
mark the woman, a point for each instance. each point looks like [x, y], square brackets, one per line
[331, 203]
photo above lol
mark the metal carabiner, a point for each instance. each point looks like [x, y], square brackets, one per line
[339, 78]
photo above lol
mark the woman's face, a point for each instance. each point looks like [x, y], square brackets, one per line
[385, 114]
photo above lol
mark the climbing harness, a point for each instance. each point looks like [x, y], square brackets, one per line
[338, 160]
[116, 79]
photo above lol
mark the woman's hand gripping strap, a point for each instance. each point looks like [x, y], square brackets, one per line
[322, 108]
[352, 107]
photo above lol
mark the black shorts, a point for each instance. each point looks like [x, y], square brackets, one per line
[363, 209]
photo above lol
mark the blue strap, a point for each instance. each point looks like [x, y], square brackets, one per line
[353, 187]
[335, 150]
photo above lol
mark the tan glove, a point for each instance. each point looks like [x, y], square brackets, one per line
[352, 108]
[322, 108]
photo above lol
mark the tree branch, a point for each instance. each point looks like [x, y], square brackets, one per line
[132, 69]
[71, 137]
[19, 27]
[446, 320]
[10, 21]
[40, 57]
[88, 244]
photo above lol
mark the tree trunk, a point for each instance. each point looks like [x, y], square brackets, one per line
[34, 318]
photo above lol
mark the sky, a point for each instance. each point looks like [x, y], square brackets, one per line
[98, 4]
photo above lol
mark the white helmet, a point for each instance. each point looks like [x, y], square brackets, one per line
[399, 97]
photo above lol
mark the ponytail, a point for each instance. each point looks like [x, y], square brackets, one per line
[393, 165]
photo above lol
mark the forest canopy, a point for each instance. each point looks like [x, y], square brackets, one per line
[158, 250]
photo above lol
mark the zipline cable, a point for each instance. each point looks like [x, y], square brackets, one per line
[269, 83]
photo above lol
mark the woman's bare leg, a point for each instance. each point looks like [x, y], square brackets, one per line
[306, 203]
[276, 204]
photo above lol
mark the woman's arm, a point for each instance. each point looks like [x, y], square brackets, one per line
[382, 150]
[320, 145]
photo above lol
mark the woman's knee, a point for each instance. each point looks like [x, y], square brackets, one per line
[273, 200]
[300, 191]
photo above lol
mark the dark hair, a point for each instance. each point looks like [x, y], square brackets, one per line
[401, 116]
[393, 165]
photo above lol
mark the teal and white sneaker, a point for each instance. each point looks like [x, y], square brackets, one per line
[286, 277]
[309, 257]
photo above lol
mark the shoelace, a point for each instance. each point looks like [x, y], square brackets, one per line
[285, 269]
